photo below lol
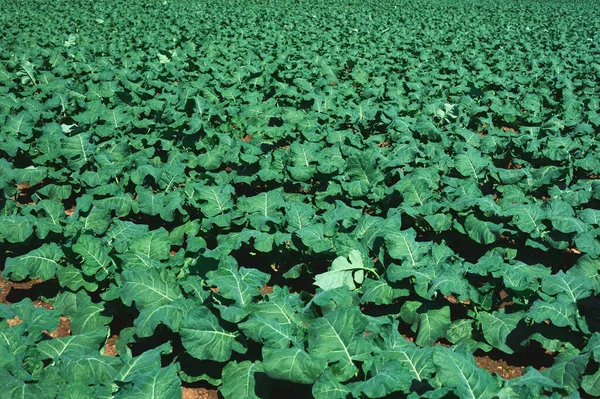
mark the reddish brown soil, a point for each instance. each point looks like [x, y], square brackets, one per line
[7, 286]
[63, 329]
[110, 349]
[199, 393]
[267, 289]
[499, 367]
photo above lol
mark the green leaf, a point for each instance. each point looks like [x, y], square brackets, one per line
[240, 284]
[121, 204]
[170, 314]
[149, 202]
[263, 207]
[244, 380]
[380, 292]
[146, 362]
[432, 325]
[313, 236]
[471, 163]
[528, 218]
[97, 220]
[158, 383]
[327, 387]
[90, 369]
[84, 314]
[293, 364]
[563, 218]
[343, 272]
[271, 333]
[567, 287]
[363, 175]
[439, 222]
[95, 256]
[591, 384]
[40, 263]
[587, 267]
[459, 371]
[497, 326]
[482, 232]
[51, 214]
[34, 319]
[590, 216]
[298, 215]
[78, 149]
[74, 345]
[559, 312]
[388, 379]
[149, 287]
[204, 339]
[339, 337]
[568, 369]
[402, 245]
[531, 384]
[217, 199]
[16, 228]
[155, 244]
[412, 362]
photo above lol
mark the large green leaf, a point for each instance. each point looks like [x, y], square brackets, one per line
[567, 287]
[293, 364]
[204, 338]
[240, 284]
[481, 231]
[158, 383]
[40, 263]
[16, 228]
[363, 174]
[95, 256]
[244, 380]
[402, 245]
[528, 218]
[343, 272]
[432, 325]
[471, 163]
[86, 343]
[497, 326]
[338, 337]
[559, 312]
[458, 370]
[149, 287]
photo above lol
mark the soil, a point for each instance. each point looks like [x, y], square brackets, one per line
[499, 367]
[6, 287]
[110, 349]
[199, 393]
[63, 329]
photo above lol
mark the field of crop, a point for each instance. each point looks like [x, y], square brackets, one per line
[314, 198]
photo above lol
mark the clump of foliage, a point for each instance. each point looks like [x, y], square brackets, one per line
[350, 199]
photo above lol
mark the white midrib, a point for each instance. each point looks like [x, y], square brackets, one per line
[283, 313]
[305, 156]
[155, 290]
[217, 199]
[248, 380]
[340, 340]
[532, 220]
[82, 148]
[462, 376]
[97, 260]
[412, 365]
[412, 259]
